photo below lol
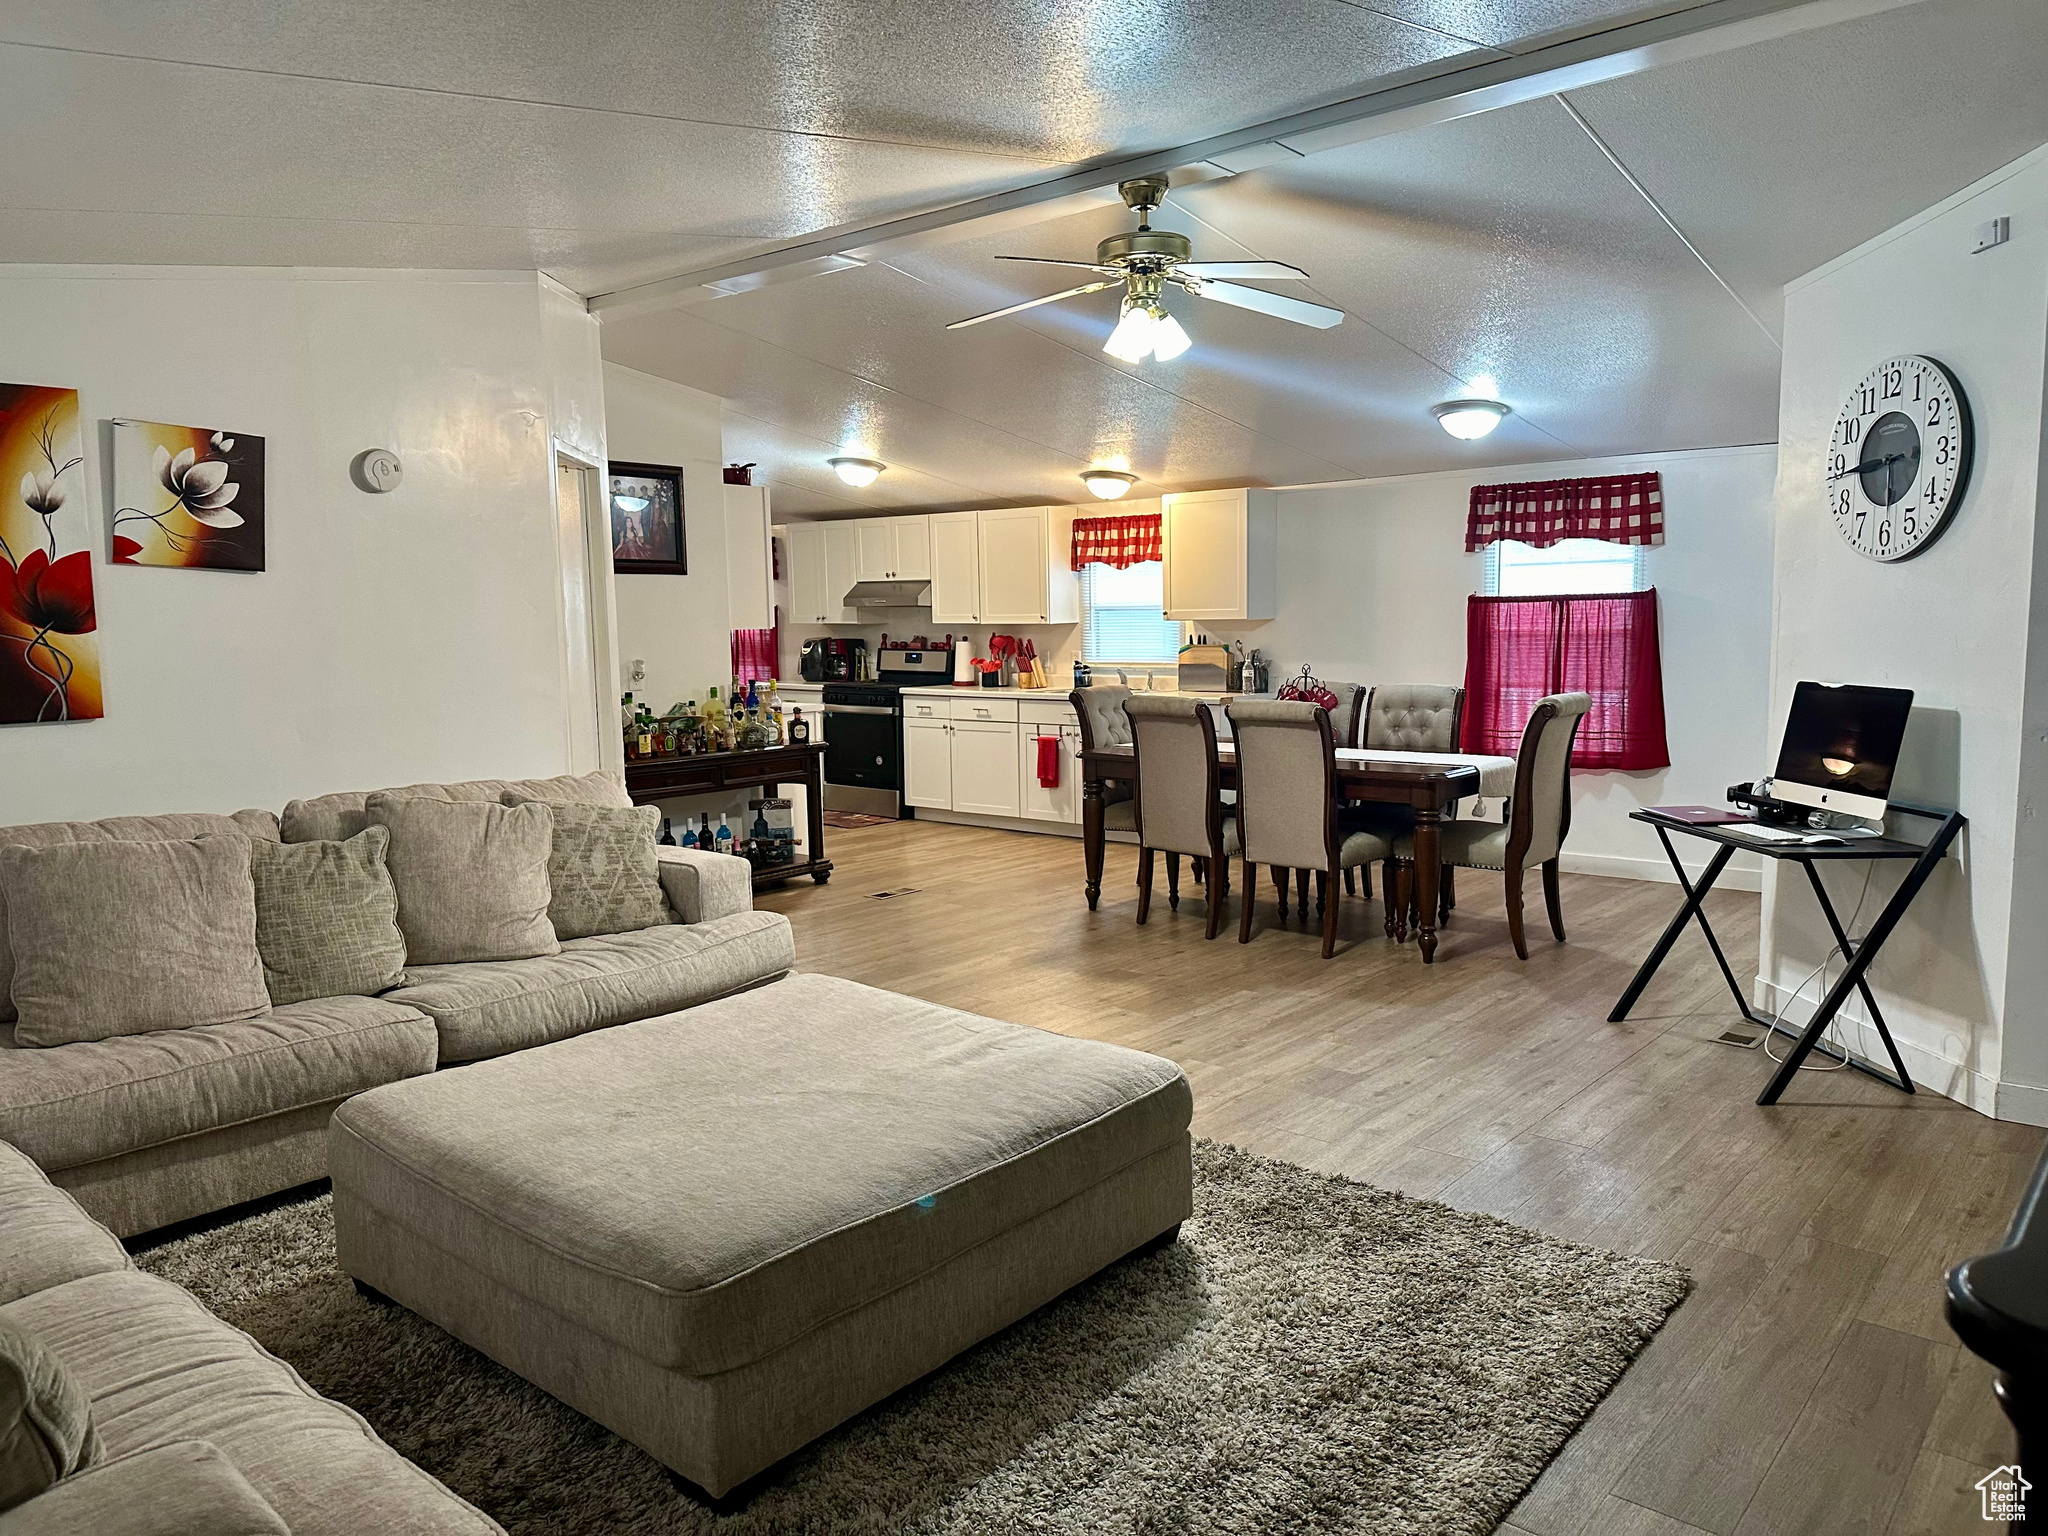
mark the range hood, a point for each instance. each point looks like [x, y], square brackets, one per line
[889, 594]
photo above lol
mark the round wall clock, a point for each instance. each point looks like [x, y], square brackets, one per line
[1900, 458]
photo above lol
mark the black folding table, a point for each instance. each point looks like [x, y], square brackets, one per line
[1859, 953]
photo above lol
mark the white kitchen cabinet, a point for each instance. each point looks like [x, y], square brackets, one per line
[928, 763]
[749, 557]
[1062, 803]
[985, 767]
[1026, 566]
[1221, 554]
[956, 567]
[894, 548]
[822, 562]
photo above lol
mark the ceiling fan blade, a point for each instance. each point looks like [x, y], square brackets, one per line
[997, 314]
[1278, 305]
[1263, 269]
[1094, 266]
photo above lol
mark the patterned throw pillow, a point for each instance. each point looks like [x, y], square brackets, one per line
[46, 1429]
[327, 918]
[603, 873]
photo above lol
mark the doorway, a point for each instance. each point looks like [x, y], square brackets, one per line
[589, 634]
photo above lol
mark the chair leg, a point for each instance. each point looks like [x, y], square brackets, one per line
[1144, 885]
[1199, 868]
[1364, 881]
[1280, 885]
[1404, 899]
[1443, 896]
[1515, 912]
[1246, 902]
[1350, 887]
[1222, 868]
[1550, 899]
[1173, 881]
[1329, 914]
[1301, 894]
[1388, 880]
[1449, 887]
[1214, 892]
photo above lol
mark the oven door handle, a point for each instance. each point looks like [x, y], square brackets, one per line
[858, 709]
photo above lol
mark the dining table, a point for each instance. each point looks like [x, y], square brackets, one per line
[1429, 784]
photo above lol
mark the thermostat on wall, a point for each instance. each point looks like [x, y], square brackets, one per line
[376, 470]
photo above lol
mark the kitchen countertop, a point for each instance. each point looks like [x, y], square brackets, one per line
[999, 693]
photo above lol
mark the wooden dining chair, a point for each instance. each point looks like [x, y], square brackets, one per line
[1179, 800]
[1412, 717]
[1539, 816]
[1287, 814]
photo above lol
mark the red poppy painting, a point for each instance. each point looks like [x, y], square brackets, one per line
[49, 660]
[187, 496]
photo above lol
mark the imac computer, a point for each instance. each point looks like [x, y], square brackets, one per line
[1841, 745]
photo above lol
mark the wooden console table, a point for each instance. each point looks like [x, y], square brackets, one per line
[701, 773]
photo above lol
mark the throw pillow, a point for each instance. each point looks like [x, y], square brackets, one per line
[472, 878]
[46, 1429]
[603, 873]
[327, 918]
[127, 938]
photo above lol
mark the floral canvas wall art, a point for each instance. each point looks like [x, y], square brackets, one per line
[49, 658]
[187, 496]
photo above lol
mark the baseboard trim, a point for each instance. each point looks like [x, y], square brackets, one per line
[1009, 823]
[1931, 1071]
[1623, 867]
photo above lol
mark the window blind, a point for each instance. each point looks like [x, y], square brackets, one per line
[1120, 615]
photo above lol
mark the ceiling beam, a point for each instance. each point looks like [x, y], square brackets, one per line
[1714, 27]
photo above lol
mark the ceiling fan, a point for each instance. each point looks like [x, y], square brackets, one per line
[1143, 261]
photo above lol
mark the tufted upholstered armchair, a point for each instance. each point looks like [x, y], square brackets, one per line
[1411, 717]
[1104, 724]
[1539, 816]
[1287, 806]
[1179, 801]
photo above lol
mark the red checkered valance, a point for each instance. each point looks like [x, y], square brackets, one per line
[1130, 539]
[1622, 509]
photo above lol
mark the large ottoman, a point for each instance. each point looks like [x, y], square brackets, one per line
[721, 1232]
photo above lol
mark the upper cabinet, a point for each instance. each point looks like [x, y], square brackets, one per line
[894, 548]
[823, 563]
[956, 567]
[1220, 554]
[1009, 566]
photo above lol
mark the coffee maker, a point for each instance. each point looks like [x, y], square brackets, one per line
[833, 660]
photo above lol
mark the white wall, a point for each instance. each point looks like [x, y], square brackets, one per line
[679, 626]
[408, 636]
[1964, 981]
[1373, 581]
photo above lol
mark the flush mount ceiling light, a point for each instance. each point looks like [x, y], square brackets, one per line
[856, 471]
[1143, 261]
[1469, 419]
[1108, 483]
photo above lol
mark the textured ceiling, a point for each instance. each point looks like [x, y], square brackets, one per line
[614, 143]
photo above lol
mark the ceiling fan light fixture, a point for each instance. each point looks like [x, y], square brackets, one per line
[1131, 341]
[1168, 339]
[1469, 419]
[1108, 484]
[856, 471]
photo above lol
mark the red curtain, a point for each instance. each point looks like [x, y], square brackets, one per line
[1129, 539]
[1622, 509]
[1517, 649]
[753, 655]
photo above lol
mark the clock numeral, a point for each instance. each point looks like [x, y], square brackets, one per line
[1842, 502]
[1934, 413]
[1944, 450]
[1851, 430]
[1907, 526]
[1933, 488]
[1838, 465]
[1918, 379]
[1867, 393]
[1894, 383]
[1860, 516]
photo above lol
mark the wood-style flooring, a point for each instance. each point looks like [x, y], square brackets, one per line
[1808, 1385]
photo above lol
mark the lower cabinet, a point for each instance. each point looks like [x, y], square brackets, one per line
[928, 763]
[1063, 801]
[985, 767]
[972, 754]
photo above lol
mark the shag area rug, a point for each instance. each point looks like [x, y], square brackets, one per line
[1314, 1355]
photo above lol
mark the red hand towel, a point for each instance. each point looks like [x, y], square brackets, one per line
[1048, 762]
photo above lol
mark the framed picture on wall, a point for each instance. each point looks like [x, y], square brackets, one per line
[647, 520]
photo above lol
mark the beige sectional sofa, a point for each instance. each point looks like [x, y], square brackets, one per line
[204, 1432]
[154, 1128]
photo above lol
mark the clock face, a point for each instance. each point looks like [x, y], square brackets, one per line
[1900, 458]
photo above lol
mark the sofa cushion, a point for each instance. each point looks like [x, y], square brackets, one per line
[76, 1104]
[128, 938]
[472, 878]
[186, 1489]
[603, 876]
[703, 1189]
[49, 1238]
[327, 918]
[117, 829]
[161, 1369]
[45, 1419]
[333, 817]
[489, 1009]
[701, 886]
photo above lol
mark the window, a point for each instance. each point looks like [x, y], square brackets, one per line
[1518, 649]
[1570, 566]
[1120, 618]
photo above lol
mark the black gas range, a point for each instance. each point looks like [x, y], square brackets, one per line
[864, 730]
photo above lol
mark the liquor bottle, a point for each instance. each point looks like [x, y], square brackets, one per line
[722, 839]
[668, 837]
[799, 728]
[714, 719]
[775, 715]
